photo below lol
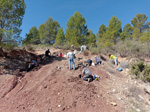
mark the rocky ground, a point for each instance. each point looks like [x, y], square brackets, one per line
[49, 89]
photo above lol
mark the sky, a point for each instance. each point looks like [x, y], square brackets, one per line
[96, 12]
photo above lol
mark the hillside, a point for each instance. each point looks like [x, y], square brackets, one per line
[49, 89]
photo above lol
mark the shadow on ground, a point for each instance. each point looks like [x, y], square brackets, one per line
[17, 62]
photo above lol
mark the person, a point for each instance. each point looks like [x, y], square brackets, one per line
[72, 47]
[47, 52]
[81, 49]
[60, 54]
[86, 74]
[70, 56]
[32, 65]
[74, 54]
[84, 46]
[114, 58]
[97, 60]
[89, 62]
[75, 51]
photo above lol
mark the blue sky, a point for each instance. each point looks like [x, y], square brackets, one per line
[96, 12]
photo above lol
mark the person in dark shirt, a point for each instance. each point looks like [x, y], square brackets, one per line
[47, 52]
[89, 62]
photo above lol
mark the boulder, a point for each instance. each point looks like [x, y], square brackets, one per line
[124, 65]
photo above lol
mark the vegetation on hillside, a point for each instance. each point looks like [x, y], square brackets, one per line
[140, 70]
[11, 15]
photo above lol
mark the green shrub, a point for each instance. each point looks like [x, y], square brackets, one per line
[133, 49]
[94, 50]
[66, 47]
[137, 68]
[124, 48]
[146, 73]
[140, 70]
[105, 50]
[7, 47]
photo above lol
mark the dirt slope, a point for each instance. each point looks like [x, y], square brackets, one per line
[49, 89]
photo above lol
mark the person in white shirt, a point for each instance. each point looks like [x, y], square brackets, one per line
[70, 56]
[83, 47]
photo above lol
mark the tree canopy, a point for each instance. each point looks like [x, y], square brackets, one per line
[50, 27]
[108, 35]
[11, 15]
[140, 22]
[76, 30]
[60, 37]
[127, 32]
[91, 38]
[32, 37]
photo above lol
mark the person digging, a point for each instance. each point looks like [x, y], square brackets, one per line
[86, 74]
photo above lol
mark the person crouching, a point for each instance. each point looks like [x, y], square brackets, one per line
[86, 74]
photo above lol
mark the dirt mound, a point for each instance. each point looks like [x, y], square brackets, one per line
[51, 87]
[16, 61]
[17, 53]
[53, 90]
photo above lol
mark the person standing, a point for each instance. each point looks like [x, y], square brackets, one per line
[70, 56]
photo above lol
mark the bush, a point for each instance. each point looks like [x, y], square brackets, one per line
[30, 48]
[137, 68]
[105, 50]
[7, 47]
[94, 50]
[146, 74]
[133, 49]
[124, 48]
[141, 70]
[66, 47]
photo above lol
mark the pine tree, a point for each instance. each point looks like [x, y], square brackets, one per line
[60, 37]
[11, 16]
[76, 30]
